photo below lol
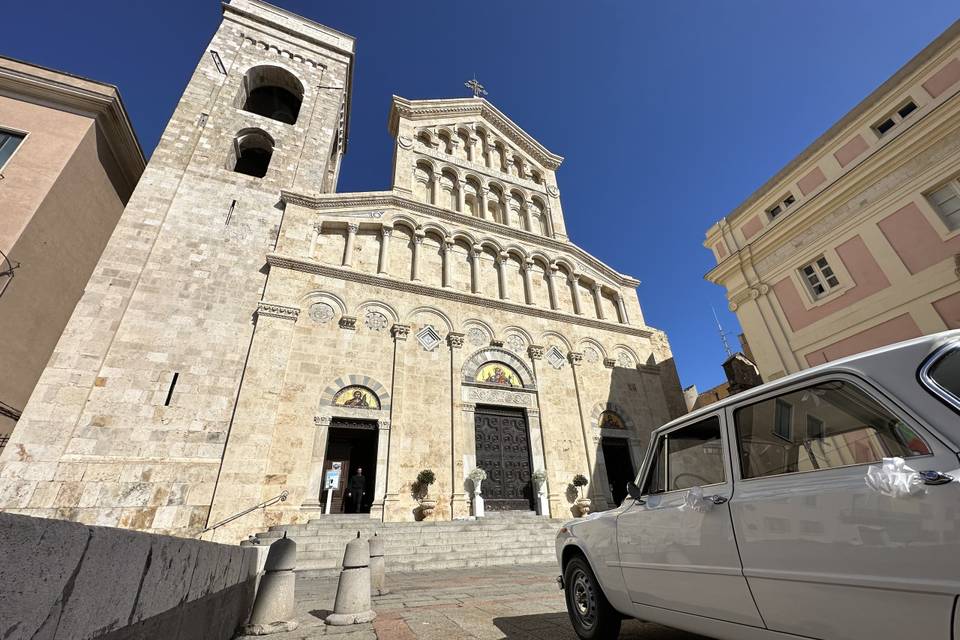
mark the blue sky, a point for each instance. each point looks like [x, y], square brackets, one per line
[669, 114]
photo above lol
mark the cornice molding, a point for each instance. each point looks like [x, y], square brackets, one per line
[277, 311]
[106, 108]
[388, 199]
[480, 107]
[311, 266]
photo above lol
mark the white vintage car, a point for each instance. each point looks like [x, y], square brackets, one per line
[822, 505]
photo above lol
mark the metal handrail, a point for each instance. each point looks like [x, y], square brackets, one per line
[280, 498]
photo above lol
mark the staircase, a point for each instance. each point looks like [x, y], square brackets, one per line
[504, 538]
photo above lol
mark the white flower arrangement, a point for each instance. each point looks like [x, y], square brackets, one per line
[478, 475]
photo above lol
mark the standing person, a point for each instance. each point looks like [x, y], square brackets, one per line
[355, 490]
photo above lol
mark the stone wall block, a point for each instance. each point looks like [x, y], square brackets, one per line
[107, 585]
[168, 578]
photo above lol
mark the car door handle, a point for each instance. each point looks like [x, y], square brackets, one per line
[716, 499]
[935, 477]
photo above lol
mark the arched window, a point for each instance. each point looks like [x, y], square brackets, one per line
[252, 149]
[272, 92]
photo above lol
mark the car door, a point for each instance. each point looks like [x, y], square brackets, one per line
[677, 557]
[825, 555]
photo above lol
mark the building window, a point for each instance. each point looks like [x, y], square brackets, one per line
[895, 118]
[785, 203]
[252, 150]
[783, 416]
[9, 141]
[945, 201]
[272, 92]
[819, 277]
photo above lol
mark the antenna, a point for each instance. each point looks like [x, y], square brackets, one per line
[723, 334]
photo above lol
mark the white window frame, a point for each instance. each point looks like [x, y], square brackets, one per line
[17, 132]
[895, 116]
[953, 183]
[823, 279]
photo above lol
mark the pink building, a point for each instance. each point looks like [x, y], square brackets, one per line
[856, 242]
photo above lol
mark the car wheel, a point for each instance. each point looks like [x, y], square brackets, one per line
[590, 613]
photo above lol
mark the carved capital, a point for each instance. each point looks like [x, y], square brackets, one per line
[318, 227]
[383, 424]
[321, 421]
[348, 322]
[468, 406]
[575, 358]
[496, 343]
[502, 258]
[400, 331]
[386, 231]
[609, 363]
[574, 278]
[596, 287]
[455, 340]
[418, 237]
[352, 227]
[535, 351]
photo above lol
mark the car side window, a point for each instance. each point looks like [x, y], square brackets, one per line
[687, 457]
[946, 373]
[830, 424]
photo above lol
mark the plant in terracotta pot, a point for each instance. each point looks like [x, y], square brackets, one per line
[427, 504]
[583, 502]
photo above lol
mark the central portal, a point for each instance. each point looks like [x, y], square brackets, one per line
[503, 451]
[351, 447]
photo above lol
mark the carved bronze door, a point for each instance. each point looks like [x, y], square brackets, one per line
[503, 451]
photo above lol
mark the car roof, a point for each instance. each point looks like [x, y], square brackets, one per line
[861, 363]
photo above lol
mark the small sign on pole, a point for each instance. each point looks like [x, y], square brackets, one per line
[331, 482]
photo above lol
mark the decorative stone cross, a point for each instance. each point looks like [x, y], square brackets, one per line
[476, 87]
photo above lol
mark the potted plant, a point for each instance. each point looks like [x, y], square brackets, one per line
[427, 504]
[583, 502]
[477, 476]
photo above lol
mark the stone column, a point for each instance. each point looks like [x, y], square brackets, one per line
[622, 309]
[348, 246]
[549, 219]
[551, 285]
[394, 483]
[575, 293]
[459, 502]
[435, 189]
[383, 263]
[598, 299]
[589, 446]
[527, 285]
[448, 256]
[417, 243]
[527, 221]
[539, 458]
[460, 195]
[380, 481]
[502, 276]
[315, 479]
[475, 252]
[314, 239]
[482, 194]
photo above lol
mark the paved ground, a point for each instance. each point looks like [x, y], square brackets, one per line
[519, 602]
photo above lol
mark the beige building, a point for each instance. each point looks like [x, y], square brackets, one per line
[69, 161]
[856, 242]
[249, 331]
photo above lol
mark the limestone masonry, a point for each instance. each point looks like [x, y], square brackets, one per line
[249, 331]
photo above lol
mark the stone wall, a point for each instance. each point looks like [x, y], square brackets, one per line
[62, 579]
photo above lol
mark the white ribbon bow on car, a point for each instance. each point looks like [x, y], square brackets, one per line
[894, 479]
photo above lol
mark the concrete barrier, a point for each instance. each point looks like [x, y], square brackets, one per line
[67, 580]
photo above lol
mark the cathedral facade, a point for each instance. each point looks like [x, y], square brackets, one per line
[249, 331]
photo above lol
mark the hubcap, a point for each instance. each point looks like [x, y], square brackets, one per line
[583, 599]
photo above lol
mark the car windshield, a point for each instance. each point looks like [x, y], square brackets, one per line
[945, 373]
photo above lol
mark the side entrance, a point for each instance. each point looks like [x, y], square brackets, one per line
[503, 451]
[352, 444]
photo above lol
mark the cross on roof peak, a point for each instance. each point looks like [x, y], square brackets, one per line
[476, 87]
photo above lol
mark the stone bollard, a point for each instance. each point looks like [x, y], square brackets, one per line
[352, 605]
[273, 610]
[378, 580]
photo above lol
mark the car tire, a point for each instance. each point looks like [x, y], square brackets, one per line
[590, 613]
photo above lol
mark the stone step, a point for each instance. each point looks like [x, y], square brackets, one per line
[337, 550]
[453, 560]
[390, 537]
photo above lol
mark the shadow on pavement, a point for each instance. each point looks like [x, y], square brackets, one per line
[556, 626]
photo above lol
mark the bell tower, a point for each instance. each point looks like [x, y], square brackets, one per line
[128, 422]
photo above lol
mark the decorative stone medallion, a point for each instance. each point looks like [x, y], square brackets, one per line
[516, 343]
[321, 312]
[591, 355]
[555, 357]
[624, 360]
[375, 321]
[477, 336]
[428, 338]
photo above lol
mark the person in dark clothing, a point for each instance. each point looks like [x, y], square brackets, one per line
[356, 489]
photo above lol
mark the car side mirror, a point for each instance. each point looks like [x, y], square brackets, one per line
[634, 492]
